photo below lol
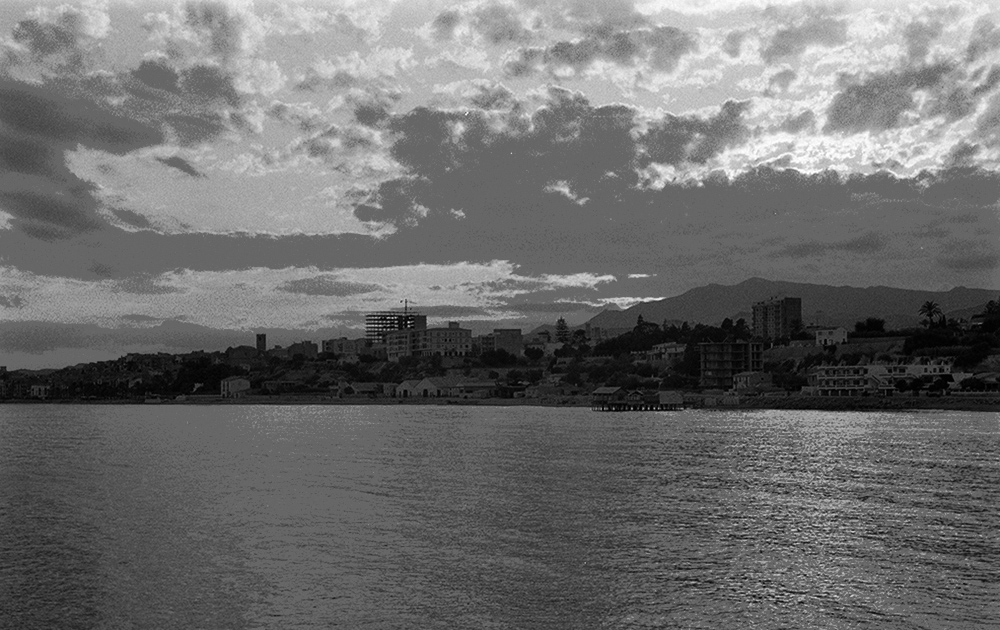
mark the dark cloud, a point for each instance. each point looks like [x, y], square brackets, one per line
[733, 43]
[328, 285]
[781, 80]
[158, 75]
[869, 243]
[13, 301]
[40, 124]
[815, 31]
[444, 25]
[988, 125]
[181, 165]
[876, 102]
[209, 83]
[799, 122]
[962, 154]
[989, 83]
[531, 308]
[667, 45]
[970, 256]
[143, 284]
[493, 97]
[678, 139]
[509, 216]
[918, 36]
[60, 40]
[662, 46]
[985, 38]
[224, 28]
[138, 318]
[500, 24]
[453, 311]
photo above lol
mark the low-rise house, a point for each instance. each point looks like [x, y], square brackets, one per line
[608, 394]
[669, 352]
[752, 382]
[830, 336]
[407, 389]
[233, 386]
[475, 389]
[40, 391]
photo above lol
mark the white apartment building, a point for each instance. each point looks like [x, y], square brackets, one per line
[873, 379]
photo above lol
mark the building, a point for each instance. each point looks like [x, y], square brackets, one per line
[777, 318]
[307, 349]
[40, 391]
[346, 349]
[668, 352]
[752, 382]
[261, 343]
[873, 379]
[379, 323]
[721, 361]
[233, 386]
[453, 341]
[830, 336]
[509, 340]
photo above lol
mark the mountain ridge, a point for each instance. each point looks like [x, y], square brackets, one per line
[825, 305]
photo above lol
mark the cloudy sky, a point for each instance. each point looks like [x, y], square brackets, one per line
[173, 170]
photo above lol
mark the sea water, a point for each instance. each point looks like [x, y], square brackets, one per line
[496, 517]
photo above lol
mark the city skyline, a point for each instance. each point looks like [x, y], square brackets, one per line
[173, 168]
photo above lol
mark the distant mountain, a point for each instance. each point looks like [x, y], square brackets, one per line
[821, 304]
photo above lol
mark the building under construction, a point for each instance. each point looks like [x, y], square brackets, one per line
[378, 323]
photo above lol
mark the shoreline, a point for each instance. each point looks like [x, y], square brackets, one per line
[833, 403]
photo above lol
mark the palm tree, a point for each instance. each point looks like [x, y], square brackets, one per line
[930, 310]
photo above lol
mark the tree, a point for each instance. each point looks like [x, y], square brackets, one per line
[534, 354]
[562, 331]
[930, 310]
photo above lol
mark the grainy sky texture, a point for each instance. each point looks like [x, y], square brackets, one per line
[289, 165]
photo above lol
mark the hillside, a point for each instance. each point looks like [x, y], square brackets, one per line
[821, 304]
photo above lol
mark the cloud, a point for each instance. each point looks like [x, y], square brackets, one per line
[733, 43]
[800, 122]
[794, 40]
[918, 36]
[328, 285]
[866, 244]
[444, 25]
[877, 101]
[661, 47]
[13, 301]
[985, 38]
[679, 139]
[781, 80]
[181, 165]
[500, 24]
[970, 256]
[40, 124]
[62, 38]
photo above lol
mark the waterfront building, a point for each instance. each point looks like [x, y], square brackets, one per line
[721, 361]
[871, 379]
[233, 386]
[777, 318]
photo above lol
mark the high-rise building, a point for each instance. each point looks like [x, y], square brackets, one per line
[261, 343]
[777, 318]
[721, 361]
[378, 323]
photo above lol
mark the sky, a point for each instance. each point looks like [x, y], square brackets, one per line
[180, 175]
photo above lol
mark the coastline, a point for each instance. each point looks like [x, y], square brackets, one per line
[792, 402]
